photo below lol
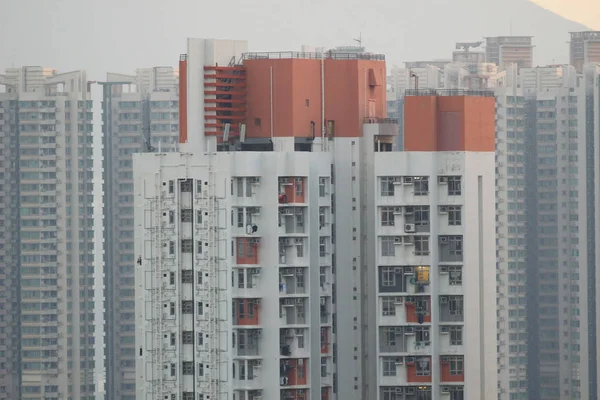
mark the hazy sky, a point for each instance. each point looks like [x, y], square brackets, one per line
[120, 35]
[586, 12]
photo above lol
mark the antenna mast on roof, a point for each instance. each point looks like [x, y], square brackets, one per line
[359, 40]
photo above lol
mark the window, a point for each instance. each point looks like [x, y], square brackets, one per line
[186, 215]
[455, 245]
[173, 369]
[187, 368]
[389, 366]
[456, 365]
[300, 249]
[187, 396]
[388, 248]
[186, 186]
[187, 307]
[322, 246]
[200, 279]
[454, 215]
[421, 245]
[323, 367]
[240, 187]
[423, 366]
[187, 245]
[172, 247]
[171, 217]
[240, 217]
[456, 336]
[388, 306]
[241, 278]
[171, 186]
[248, 187]
[198, 247]
[200, 369]
[187, 337]
[199, 216]
[387, 216]
[187, 276]
[455, 275]
[387, 185]
[171, 278]
[388, 277]
[421, 185]
[200, 308]
[172, 308]
[198, 187]
[322, 187]
[454, 186]
[322, 219]
[455, 305]
[457, 393]
[299, 186]
[421, 215]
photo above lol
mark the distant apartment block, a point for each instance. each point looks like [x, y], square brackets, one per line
[584, 48]
[140, 114]
[51, 346]
[506, 50]
[546, 244]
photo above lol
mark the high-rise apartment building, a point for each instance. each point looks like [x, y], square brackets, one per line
[545, 186]
[140, 113]
[506, 50]
[584, 48]
[52, 345]
[279, 268]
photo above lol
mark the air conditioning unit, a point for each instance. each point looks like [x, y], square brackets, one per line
[443, 239]
[407, 180]
[409, 361]
[398, 240]
[409, 330]
[444, 330]
[443, 209]
[409, 270]
[298, 180]
[443, 269]
[399, 300]
[323, 301]
[299, 301]
[298, 241]
[398, 210]
[255, 271]
[398, 270]
[284, 242]
[445, 390]
[409, 228]
[399, 361]
[409, 210]
[443, 299]
[255, 179]
[445, 359]
[408, 240]
[411, 390]
[399, 390]
[442, 180]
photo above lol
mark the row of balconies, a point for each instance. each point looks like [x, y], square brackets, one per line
[417, 309]
[406, 370]
[419, 392]
[417, 189]
[415, 246]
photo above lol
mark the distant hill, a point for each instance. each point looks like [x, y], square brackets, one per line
[120, 35]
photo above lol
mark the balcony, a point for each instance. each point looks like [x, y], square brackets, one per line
[292, 190]
[246, 312]
[292, 251]
[451, 309]
[247, 342]
[294, 342]
[292, 311]
[247, 251]
[452, 368]
[292, 221]
[293, 372]
[247, 221]
[292, 281]
[246, 282]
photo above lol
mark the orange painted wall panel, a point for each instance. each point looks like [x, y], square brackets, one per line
[246, 252]
[298, 374]
[411, 313]
[449, 123]
[249, 315]
[350, 86]
[411, 374]
[182, 101]
[446, 376]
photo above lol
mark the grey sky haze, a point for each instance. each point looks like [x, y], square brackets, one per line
[121, 35]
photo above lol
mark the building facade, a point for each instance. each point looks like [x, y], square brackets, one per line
[254, 267]
[506, 50]
[140, 113]
[546, 340]
[55, 344]
[584, 48]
